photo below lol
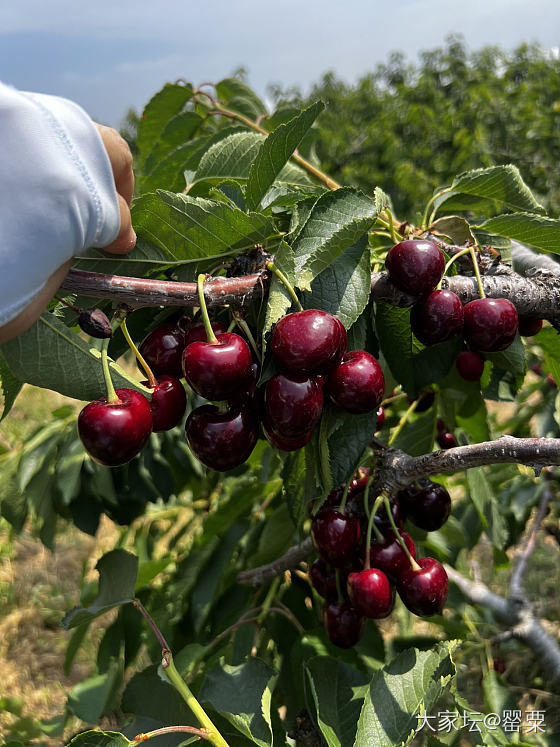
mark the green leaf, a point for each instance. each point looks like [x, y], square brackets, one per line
[188, 229]
[276, 151]
[293, 484]
[338, 692]
[99, 739]
[150, 695]
[118, 571]
[344, 287]
[453, 226]
[91, 698]
[501, 183]
[392, 327]
[349, 436]
[242, 694]
[10, 387]
[401, 692]
[337, 221]
[417, 437]
[158, 111]
[276, 538]
[230, 158]
[177, 132]
[51, 355]
[239, 97]
[279, 300]
[486, 503]
[511, 359]
[549, 340]
[534, 230]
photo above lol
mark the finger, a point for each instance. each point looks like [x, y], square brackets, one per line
[126, 239]
[121, 161]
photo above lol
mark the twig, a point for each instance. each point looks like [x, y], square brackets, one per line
[290, 559]
[151, 622]
[141, 738]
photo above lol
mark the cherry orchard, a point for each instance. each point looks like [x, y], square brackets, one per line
[315, 379]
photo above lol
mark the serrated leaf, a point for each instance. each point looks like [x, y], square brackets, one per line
[337, 221]
[96, 738]
[162, 107]
[417, 437]
[293, 483]
[338, 692]
[231, 158]
[453, 226]
[275, 152]
[10, 387]
[511, 359]
[239, 97]
[52, 356]
[401, 692]
[178, 130]
[392, 327]
[242, 695]
[189, 229]
[350, 434]
[537, 231]
[118, 571]
[148, 694]
[382, 200]
[486, 503]
[501, 183]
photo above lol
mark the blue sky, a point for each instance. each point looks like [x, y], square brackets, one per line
[111, 55]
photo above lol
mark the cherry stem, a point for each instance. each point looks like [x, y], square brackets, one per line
[394, 236]
[152, 623]
[152, 381]
[286, 283]
[371, 521]
[140, 738]
[477, 272]
[402, 543]
[450, 262]
[345, 493]
[242, 324]
[111, 394]
[428, 221]
[204, 311]
[402, 422]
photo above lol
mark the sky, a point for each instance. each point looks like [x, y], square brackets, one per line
[109, 56]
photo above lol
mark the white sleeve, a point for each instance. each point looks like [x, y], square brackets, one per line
[57, 192]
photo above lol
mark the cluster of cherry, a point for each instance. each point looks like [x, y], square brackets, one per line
[357, 571]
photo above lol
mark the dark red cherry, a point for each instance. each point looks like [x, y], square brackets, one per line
[323, 579]
[380, 418]
[282, 443]
[490, 324]
[427, 506]
[114, 432]
[343, 624]
[437, 317]
[221, 440]
[196, 332]
[334, 498]
[415, 266]
[292, 404]
[371, 593]
[168, 404]
[389, 555]
[529, 327]
[162, 349]
[469, 365]
[440, 425]
[424, 591]
[218, 370]
[310, 341]
[357, 384]
[425, 400]
[446, 440]
[336, 536]
[249, 394]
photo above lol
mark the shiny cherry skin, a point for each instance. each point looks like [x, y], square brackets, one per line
[357, 384]
[323, 579]
[344, 625]
[114, 432]
[469, 365]
[427, 506]
[437, 317]
[389, 555]
[221, 440]
[292, 404]
[490, 324]
[371, 593]
[162, 349]
[218, 370]
[424, 591]
[446, 440]
[415, 266]
[529, 327]
[196, 332]
[308, 342]
[169, 402]
[248, 395]
[282, 443]
[336, 536]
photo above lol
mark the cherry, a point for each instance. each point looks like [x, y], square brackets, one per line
[380, 418]
[382, 520]
[425, 400]
[446, 440]
[371, 593]
[168, 404]
[249, 395]
[343, 624]
[414, 266]
[336, 536]
[490, 324]
[437, 317]
[195, 332]
[323, 579]
[334, 498]
[427, 506]
[292, 404]
[357, 384]
[114, 432]
[282, 443]
[529, 327]
[424, 591]
[389, 556]
[217, 370]
[469, 365]
[162, 349]
[310, 341]
[221, 440]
